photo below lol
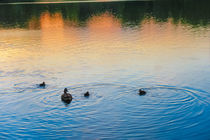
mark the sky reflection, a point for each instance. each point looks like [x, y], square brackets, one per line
[111, 50]
[103, 36]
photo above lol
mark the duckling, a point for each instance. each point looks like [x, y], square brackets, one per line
[142, 92]
[42, 84]
[87, 94]
[66, 97]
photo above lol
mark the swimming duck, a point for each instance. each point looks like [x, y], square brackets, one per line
[87, 94]
[42, 85]
[142, 92]
[66, 97]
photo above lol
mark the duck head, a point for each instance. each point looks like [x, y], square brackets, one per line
[65, 90]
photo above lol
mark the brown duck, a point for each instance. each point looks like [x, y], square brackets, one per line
[142, 92]
[87, 94]
[42, 84]
[66, 97]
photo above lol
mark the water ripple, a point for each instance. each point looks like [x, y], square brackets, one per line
[162, 111]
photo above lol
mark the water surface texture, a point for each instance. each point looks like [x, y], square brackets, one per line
[110, 49]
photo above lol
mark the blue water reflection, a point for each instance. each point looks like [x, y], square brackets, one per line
[111, 50]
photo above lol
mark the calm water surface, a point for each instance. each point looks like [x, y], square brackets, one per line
[110, 49]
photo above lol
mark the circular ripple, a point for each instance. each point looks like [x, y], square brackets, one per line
[162, 111]
[165, 109]
[98, 93]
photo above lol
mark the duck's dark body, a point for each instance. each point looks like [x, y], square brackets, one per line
[42, 85]
[87, 94]
[142, 92]
[66, 97]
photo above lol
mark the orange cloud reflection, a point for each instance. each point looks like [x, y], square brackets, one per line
[105, 24]
[57, 33]
[52, 27]
[101, 42]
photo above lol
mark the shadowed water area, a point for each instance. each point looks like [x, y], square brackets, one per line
[111, 49]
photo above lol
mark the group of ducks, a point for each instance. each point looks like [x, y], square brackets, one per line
[67, 98]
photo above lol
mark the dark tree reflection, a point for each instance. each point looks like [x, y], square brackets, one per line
[191, 12]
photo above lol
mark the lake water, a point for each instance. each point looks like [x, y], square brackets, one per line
[110, 49]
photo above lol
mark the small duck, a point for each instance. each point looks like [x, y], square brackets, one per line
[142, 92]
[66, 97]
[42, 85]
[87, 94]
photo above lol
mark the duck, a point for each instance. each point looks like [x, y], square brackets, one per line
[87, 94]
[142, 92]
[42, 84]
[66, 97]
